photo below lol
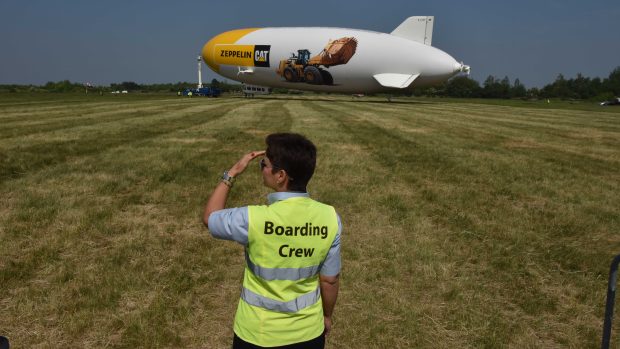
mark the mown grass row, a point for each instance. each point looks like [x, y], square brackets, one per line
[31, 154]
[465, 225]
[111, 212]
[482, 194]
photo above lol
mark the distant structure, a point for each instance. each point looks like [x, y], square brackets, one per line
[200, 90]
[199, 72]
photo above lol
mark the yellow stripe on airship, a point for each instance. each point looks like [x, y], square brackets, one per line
[212, 52]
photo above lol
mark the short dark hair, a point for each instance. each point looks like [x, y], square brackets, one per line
[295, 154]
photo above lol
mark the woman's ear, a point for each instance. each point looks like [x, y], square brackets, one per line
[281, 176]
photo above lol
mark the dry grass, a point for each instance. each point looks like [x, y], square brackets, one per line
[466, 225]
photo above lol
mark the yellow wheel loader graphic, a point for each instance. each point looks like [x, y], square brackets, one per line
[302, 68]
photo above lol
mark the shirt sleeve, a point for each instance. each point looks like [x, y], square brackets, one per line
[230, 224]
[331, 265]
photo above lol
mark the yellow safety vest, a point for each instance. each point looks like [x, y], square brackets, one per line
[287, 244]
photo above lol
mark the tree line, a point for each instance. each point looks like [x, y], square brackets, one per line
[580, 87]
[130, 86]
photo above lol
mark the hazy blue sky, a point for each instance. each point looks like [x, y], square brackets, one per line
[158, 41]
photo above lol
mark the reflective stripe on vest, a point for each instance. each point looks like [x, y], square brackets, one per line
[291, 306]
[281, 273]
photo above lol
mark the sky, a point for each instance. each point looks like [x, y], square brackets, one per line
[157, 41]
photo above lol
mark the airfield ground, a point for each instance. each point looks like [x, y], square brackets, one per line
[467, 225]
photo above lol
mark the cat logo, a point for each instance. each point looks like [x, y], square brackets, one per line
[261, 55]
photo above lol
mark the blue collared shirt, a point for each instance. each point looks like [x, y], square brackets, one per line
[232, 224]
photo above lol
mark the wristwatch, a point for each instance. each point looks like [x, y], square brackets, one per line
[228, 179]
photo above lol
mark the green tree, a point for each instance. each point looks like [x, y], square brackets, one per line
[130, 86]
[518, 90]
[504, 88]
[494, 88]
[533, 92]
[490, 87]
[559, 88]
[63, 86]
[581, 87]
[612, 83]
[463, 86]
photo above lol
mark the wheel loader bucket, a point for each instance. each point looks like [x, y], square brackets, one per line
[336, 52]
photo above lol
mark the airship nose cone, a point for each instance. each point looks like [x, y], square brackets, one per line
[208, 53]
[226, 38]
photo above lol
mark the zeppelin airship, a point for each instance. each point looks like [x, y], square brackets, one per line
[333, 59]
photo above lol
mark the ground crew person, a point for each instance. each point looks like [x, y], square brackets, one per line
[292, 249]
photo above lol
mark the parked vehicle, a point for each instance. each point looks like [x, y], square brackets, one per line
[203, 91]
[615, 101]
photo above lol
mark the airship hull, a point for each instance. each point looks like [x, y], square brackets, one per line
[327, 59]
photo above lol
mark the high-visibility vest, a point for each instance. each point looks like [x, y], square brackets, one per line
[287, 244]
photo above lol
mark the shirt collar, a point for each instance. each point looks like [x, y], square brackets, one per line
[283, 195]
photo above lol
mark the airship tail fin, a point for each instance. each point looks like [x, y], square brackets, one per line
[395, 80]
[416, 28]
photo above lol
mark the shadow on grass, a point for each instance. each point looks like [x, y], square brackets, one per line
[339, 99]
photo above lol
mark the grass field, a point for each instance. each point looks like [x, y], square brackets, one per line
[467, 225]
